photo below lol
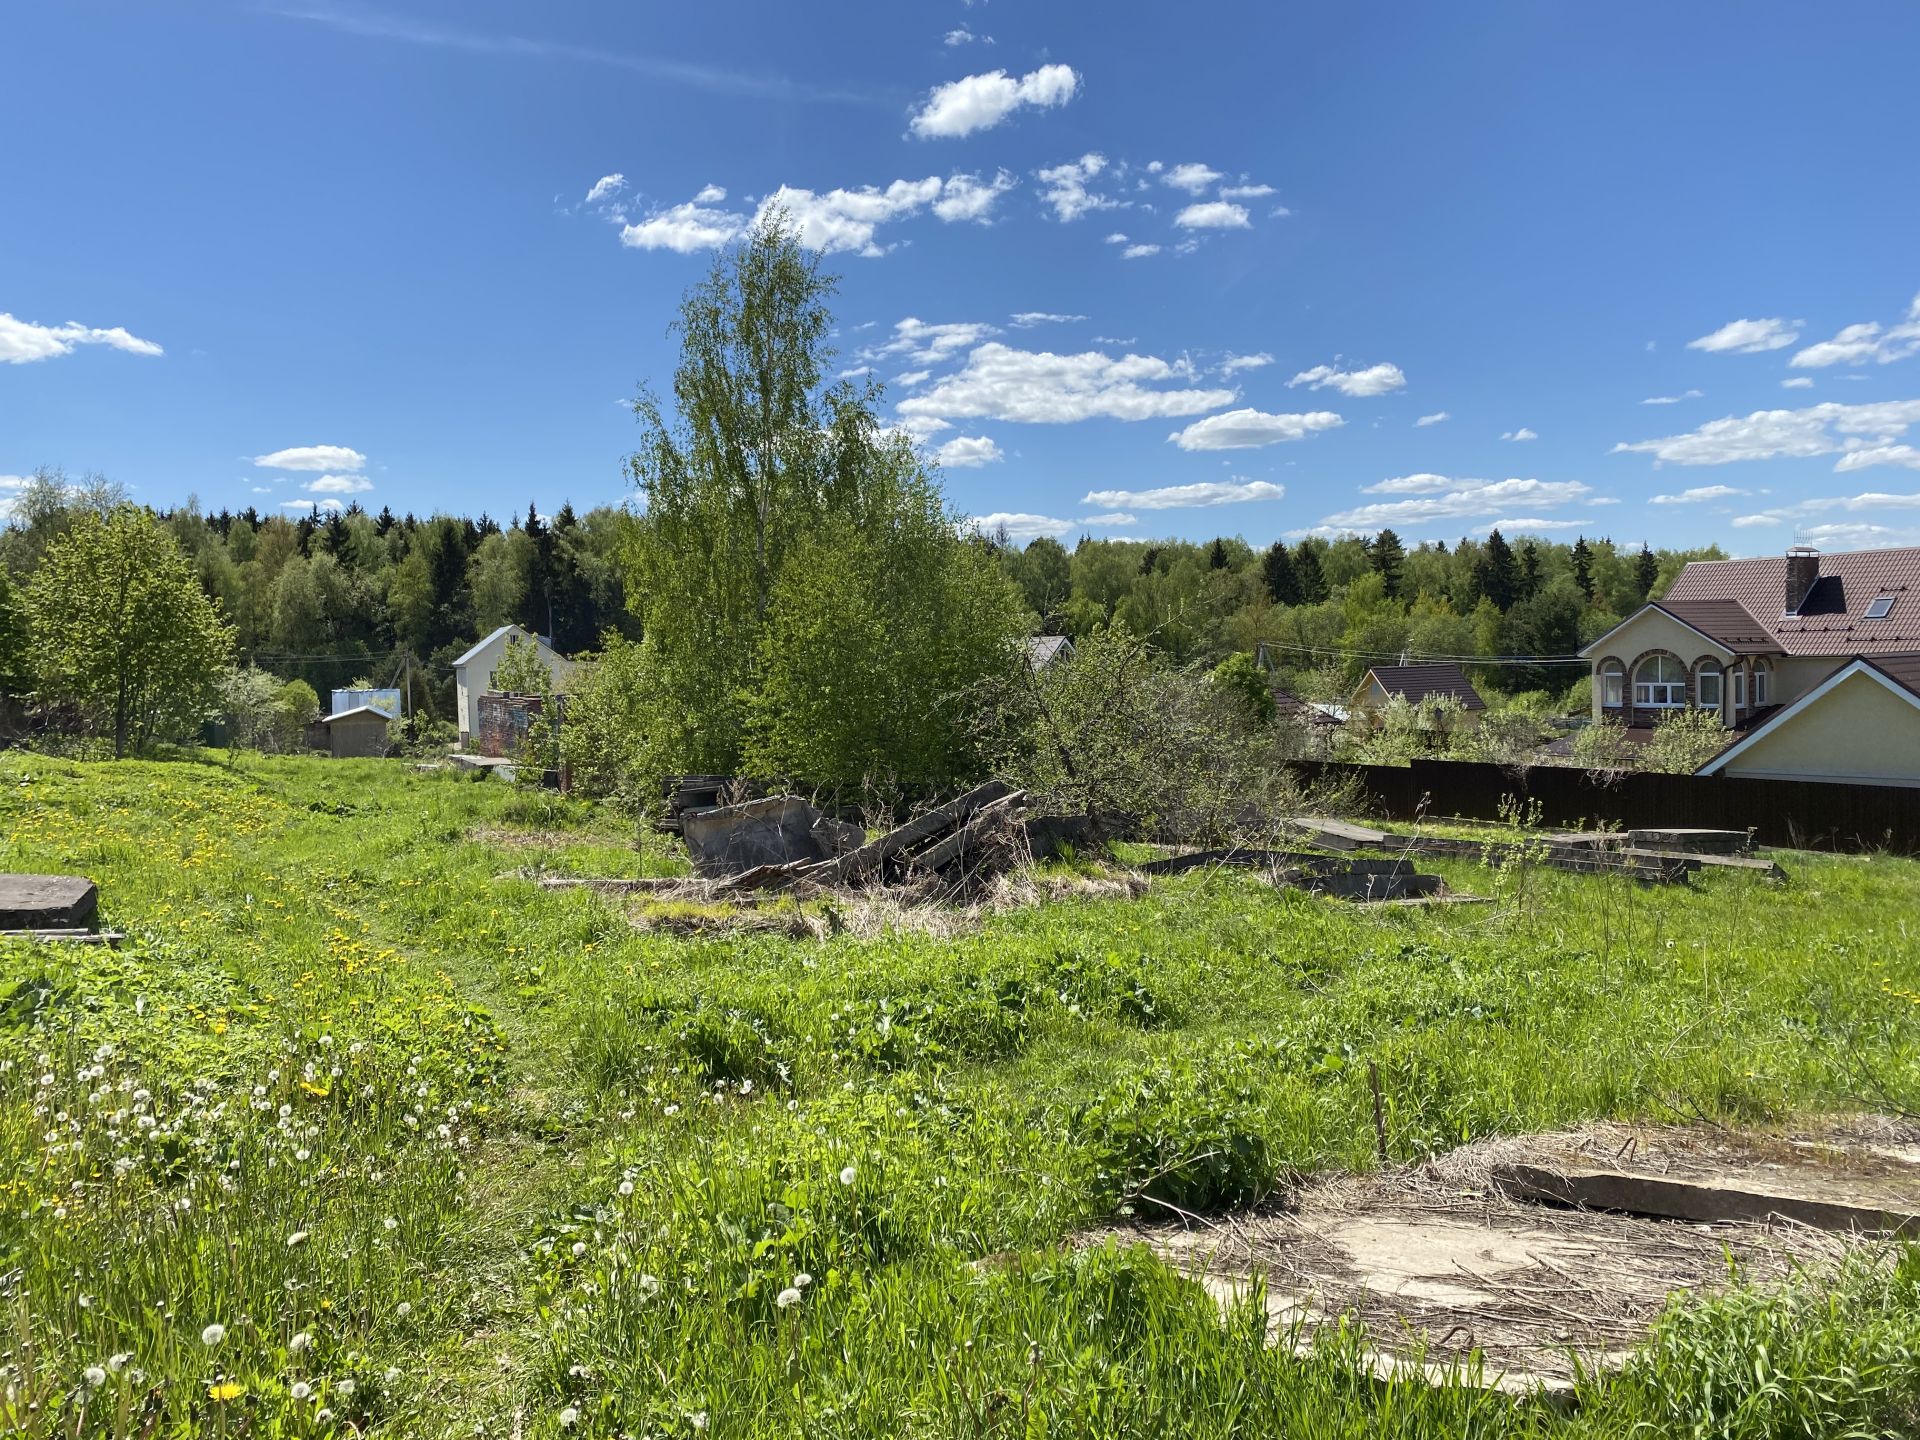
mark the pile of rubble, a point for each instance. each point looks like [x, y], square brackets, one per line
[784, 841]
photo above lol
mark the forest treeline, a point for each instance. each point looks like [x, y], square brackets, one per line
[789, 595]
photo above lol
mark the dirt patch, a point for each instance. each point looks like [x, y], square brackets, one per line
[1442, 1268]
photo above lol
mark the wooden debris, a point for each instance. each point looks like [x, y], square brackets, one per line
[856, 865]
[65, 937]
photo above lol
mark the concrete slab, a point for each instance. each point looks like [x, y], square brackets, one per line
[47, 902]
[1851, 1174]
[1455, 1282]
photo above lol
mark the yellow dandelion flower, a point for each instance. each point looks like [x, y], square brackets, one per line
[226, 1390]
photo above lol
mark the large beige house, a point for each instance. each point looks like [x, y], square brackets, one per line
[1811, 661]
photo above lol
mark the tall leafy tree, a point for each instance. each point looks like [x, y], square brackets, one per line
[122, 631]
[764, 478]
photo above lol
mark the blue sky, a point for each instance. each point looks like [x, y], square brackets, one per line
[301, 251]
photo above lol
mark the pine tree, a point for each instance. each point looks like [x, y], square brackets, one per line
[1646, 570]
[1529, 584]
[1387, 555]
[1495, 575]
[1217, 554]
[1276, 568]
[1583, 566]
[1312, 579]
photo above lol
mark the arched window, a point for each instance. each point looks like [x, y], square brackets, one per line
[1707, 680]
[1660, 682]
[1762, 684]
[1613, 684]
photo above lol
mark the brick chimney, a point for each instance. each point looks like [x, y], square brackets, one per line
[1803, 573]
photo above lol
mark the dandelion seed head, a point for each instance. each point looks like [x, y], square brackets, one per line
[94, 1377]
[213, 1335]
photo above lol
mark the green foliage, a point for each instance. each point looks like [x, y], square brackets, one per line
[1115, 730]
[15, 676]
[1604, 745]
[122, 632]
[1684, 740]
[261, 713]
[810, 610]
[603, 740]
[300, 702]
[1239, 676]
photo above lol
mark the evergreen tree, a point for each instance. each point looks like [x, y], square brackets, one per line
[1496, 576]
[1387, 556]
[1529, 581]
[1306, 568]
[1583, 566]
[1276, 569]
[1646, 570]
[1217, 554]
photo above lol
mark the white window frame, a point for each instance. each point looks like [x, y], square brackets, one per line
[1740, 688]
[1762, 686]
[1613, 684]
[1660, 694]
[1709, 672]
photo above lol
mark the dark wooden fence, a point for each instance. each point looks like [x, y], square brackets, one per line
[1803, 814]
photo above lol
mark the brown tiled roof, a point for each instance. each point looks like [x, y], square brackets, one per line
[1726, 621]
[1903, 670]
[1832, 620]
[1415, 683]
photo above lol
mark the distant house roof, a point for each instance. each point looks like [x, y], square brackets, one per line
[1725, 621]
[1414, 683]
[379, 715]
[504, 630]
[1832, 619]
[1899, 673]
[1043, 650]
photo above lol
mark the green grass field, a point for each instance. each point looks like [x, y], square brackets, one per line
[361, 1134]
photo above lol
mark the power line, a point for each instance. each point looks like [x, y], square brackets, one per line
[1401, 657]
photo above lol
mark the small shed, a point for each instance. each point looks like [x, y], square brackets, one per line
[357, 733]
[1043, 650]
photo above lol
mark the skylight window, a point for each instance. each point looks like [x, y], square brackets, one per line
[1881, 607]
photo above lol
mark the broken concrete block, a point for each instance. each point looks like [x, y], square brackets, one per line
[730, 839]
[47, 902]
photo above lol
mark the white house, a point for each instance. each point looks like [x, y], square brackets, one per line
[473, 672]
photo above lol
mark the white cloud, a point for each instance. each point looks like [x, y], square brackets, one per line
[1857, 344]
[1139, 252]
[1374, 380]
[1797, 382]
[1214, 215]
[1870, 455]
[1245, 192]
[1747, 522]
[1424, 483]
[1065, 187]
[961, 35]
[22, 342]
[1825, 429]
[1467, 499]
[605, 188]
[964, 452]
[967, 197]
[1523, 433]
[1749, 337]
[684, 229]
[1233, 364]
[999, 382]
[339, 485]
[327, 504]
[828, 221]
[929, 344]
[1247, 429]
[911, 378]
[1184, 497]
[1027, 319]
[1113, 519]
[1193, 178]
[313, 457]
[1439, 417]
[979, 102]
[1116, 238]
[1024, 527]
[1698, 495]
[1672, 399]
